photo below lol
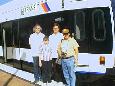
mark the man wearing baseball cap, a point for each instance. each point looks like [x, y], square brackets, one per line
[68, 52]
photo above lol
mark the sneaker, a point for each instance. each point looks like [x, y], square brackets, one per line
[53, 83]
[60, 84]
[44, 84]
[40, 83]
[49, 84]
[35, 82]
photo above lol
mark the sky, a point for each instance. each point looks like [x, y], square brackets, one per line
[4, 1]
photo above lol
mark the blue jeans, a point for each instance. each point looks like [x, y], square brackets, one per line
[37, 71]
[69, 74]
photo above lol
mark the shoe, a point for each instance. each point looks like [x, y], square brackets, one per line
[44, 84]
[40, 83]
[53, 83]
[60, 84]
[35, 82]
[50, 84]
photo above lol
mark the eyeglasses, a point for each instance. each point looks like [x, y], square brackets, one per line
[46, 40]
[55, 28]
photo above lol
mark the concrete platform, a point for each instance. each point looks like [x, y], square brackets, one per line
[11, 80]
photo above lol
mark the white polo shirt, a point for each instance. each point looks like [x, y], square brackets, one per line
[54, 40]
[35, 41]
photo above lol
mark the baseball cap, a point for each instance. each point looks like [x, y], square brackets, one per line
[65, 31]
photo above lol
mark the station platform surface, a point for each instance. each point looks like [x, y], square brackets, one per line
[10, 76]
[7, 79]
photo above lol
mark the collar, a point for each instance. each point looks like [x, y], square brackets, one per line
[56, 34]
[68, 39]
[37, 34]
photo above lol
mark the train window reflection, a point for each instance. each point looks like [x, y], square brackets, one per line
[80, 25]
[8, 33]
[99, 30]
[0, 34]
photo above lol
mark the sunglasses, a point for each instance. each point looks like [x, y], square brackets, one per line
[38, 28]
[65, 33]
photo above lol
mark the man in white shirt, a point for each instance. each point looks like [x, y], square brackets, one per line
[35, 41]
[55, 39]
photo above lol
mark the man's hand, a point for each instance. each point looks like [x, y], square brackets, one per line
[58, 61]
[76, 62]
[40, 63]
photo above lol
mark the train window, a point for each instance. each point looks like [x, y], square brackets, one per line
[98, 22]
[0, 34]
[7, 26]
[25, 29]
[80, 25]
[15, 27]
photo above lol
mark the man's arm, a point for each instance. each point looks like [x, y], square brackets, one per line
[76, 45]
[40, 62]
[59, 50]
[76, 55]
[40, 55]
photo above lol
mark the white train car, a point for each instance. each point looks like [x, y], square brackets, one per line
[90, 22]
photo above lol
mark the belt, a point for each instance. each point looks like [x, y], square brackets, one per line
[67, 57]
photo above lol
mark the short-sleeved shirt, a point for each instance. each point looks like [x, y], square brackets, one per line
[68, 46]
[54, 40]
[35, 41]
[45, 52]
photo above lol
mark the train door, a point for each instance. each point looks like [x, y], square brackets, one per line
[7, 41]
[10, 32]
[1, 48]
[25, 30]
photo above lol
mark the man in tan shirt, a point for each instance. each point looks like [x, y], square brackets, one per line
[68, 52]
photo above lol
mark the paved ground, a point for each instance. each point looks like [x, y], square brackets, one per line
[83, 80]
[7, 79]
[10, 80]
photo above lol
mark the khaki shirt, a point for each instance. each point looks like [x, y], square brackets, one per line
[68, 47]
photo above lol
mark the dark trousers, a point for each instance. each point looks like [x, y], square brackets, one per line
[46, 71]
[37, 71]
[57, 73]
